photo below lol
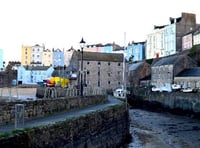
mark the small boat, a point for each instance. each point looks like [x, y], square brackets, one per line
[154, 88]
[176, 86]
[187, 90]
[120, 93]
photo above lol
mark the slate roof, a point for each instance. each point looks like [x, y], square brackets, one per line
[159, 27]
[192, 72]
[36, 67]
[134, 66]
[168, 60]
[116, 47]
[99, 56]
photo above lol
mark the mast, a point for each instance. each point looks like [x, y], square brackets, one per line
[124, 63]
[124, 70]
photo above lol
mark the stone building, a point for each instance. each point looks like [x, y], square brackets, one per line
[189, 78]
[100, 70]
[164, 70]
[136, 72]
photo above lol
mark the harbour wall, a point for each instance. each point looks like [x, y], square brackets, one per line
[45, 107]
[103, 128]
[174, 101]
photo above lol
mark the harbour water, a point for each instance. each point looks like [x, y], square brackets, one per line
[163, 130]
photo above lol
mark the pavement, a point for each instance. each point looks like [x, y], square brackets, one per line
[61, 116]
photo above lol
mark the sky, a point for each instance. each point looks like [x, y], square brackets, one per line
[62, 23]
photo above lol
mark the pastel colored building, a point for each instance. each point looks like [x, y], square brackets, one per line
[58, 58]
[155, 43]
[187, 41]
[167, 40]
[196, 37]
[33, 74]
[135, 51]
[47, 57]
[26, 55]
[94, 48]
[108, 48]
[36, 55]
[68, 55]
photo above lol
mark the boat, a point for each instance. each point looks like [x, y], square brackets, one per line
[176, 86]
[120, 93]
[154, 88]
[187, 90]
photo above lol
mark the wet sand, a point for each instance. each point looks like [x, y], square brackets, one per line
[17, 93]
[163, 130]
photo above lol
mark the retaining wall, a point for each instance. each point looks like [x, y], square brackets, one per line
[105, 128]
[172, 100]
[43, 107]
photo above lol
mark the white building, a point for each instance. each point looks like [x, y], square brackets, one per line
[36, 55]
[33, 74]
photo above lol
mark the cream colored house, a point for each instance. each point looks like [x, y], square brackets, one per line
[26, 55]
[47, 57]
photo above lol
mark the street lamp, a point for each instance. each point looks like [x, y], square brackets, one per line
[82, 45]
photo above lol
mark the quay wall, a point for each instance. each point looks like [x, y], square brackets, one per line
[103, 128]
[44, 107]
[172, 100]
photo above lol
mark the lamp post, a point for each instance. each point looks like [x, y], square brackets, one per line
[82, 44]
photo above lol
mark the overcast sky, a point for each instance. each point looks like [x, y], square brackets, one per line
[62, 23]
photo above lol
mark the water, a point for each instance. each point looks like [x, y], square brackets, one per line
[163, 130]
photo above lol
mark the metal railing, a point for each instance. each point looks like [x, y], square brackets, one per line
[52, 92]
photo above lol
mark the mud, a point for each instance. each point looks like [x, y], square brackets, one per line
[163, 130]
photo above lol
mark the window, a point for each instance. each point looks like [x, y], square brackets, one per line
[88, 62]
[108, 63]
[99, 63]
[119, 64]
[98, 83]
[108, 82]
[88, 72]
[109, 74]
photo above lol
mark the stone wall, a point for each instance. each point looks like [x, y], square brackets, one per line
[104, 128]
[173, 100]
[43, 107]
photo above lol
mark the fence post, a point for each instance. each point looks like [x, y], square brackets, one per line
[19, 116]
